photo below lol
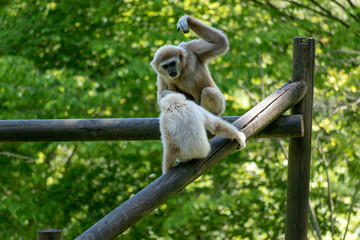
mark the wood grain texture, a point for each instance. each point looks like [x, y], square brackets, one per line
[300, 148]
[175, 180]
[49, 234]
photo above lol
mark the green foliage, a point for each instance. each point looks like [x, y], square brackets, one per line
[89, 59]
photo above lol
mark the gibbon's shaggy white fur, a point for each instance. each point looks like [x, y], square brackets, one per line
[183, 126]
[184, 68]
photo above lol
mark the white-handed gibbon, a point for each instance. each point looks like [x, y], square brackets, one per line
[183, 126]
[184, 68]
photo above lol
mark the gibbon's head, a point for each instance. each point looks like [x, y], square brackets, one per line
[171, 101]
[168, 61]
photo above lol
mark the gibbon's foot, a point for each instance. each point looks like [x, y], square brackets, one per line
[212, 100]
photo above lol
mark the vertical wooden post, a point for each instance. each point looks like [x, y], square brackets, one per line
[49, 234]
[300, 148]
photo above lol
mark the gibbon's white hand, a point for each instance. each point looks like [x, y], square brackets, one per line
[183, 24]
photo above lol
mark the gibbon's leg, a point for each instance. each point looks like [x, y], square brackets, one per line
[171, 153]
[212, 100]
[219, 127]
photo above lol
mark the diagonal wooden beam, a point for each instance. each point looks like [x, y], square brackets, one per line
[173, 181]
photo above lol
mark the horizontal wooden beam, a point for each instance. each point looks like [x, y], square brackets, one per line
[173, 181]
[115, 129]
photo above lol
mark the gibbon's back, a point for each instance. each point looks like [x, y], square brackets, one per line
[184, 122]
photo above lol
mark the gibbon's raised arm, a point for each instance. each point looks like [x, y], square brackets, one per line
[212, 43]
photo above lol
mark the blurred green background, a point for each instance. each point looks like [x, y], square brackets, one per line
[91, 59]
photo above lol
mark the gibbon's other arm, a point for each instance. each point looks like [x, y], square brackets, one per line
[212, 43]
[164, 88]
[221, 128]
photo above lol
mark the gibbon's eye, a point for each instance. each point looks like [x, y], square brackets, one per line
[165, 66]
[172, 64]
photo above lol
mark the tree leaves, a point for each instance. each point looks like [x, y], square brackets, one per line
[89, 59]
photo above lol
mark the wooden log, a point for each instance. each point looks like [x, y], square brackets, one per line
[173, 181]
[285, 126]
[300, 148]
[118, 129]
[49, 234]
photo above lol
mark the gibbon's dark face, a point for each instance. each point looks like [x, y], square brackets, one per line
[170, 68]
